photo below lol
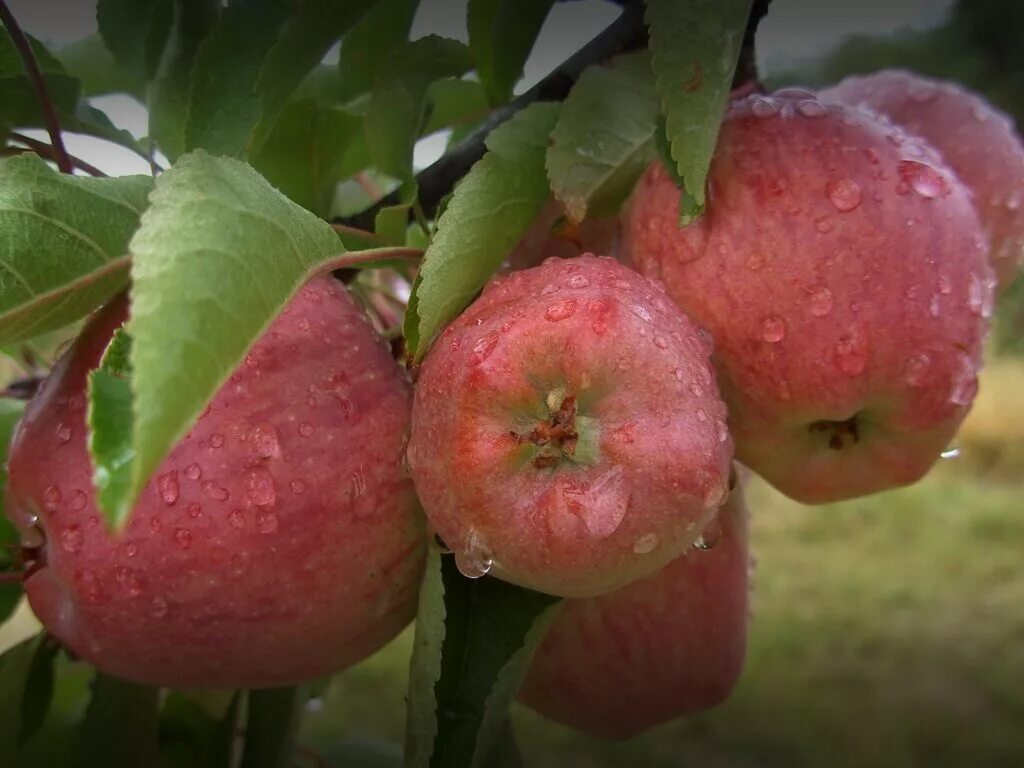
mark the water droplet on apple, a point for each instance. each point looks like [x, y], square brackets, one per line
[72, 539]
[214, 491]
[660, 342]
[922, 91]
[561, 310]
[935, 306]
[483, 347]
[773, 330]
[851, 355]
[216, 440]
[916, 369]
[642, 312]
[52, 497]
[764, 106]
[924, 180]
[603, 504]
[260, 489]
[63, 432]
[128, 580]
[951, 453]
[945, 287]
[195, 509]
[646, 544]
[183, 538]
[811, 108]
[167, 485]
[305, 429]
[824, 225]
[844, 194]
[475, 562]
[89, 586]
[131, 549]
[821, 302]
[193, 471]
[965, 381]
[78, 500]
[266, 521]
[236, 518]
[265, 441]
[577, 281]
[710, 536]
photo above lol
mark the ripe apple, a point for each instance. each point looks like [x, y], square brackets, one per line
[662, 647]
[568, 435]
[552, 235]
[842, 271]
[977, 141]
[277, 542]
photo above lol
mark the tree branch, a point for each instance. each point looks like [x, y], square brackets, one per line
[44, 150]
[746, 67]
[35, 75]
[626, 33]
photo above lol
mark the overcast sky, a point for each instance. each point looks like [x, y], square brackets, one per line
[794, 29]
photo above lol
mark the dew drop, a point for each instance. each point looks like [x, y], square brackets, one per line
[167, 485]
[844, 194]
[52, 497]
[710, 536]
[128, 580]
[764, 107]
[183, 538]
[72, 539]
[483, 348]
[236, 518]
[265, 441]
[773, 330]
[821, 302]
[305, 429]
[193, 471]
[260, 489]
[195, 509]
[965, 381]
[90, 587]
[950, 453]
[642, 312]
[923, 91]
[660, 342]
[63, 432]
[214, 491]
[155, 525]
[924, 179]
[811, 108]
[934, 306]
[824, 225]
[645, 544]
[131, 549]
[266, 521]
[561, 310]
[216, 440]
[475, 562]
[915, 370]
[577, 281]
[851, 355]
[78, 500]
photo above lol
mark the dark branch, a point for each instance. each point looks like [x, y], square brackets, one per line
[35, 75]
[46, 151]
[627, 33]
[746, 67]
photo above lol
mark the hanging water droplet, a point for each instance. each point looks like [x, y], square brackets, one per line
[924, 179]
[821, 302]
[773, 330]
[72, 539]
[710, 536]
[844, 194]
[950, 453]
[167, 485]
[561, 310]
[646, 544]
[483, 347]
[475, 561]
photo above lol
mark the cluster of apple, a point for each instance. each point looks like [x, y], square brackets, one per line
[573, 431]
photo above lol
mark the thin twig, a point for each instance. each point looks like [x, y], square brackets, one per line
[44, 150]
[12, 577]
[626, 33]
[370, 187]
[359, 234]
[35, 75]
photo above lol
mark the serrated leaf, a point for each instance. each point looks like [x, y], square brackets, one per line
[63, 243]
[452, 102]
[26, 686]
[271, 725]
[10, 594]
[369, 43]
[20, 106]
[501, 36]
[110, 421]
[396, 112]
[89, 60]
[135, 32]
[310, 149]
[604, 137]
[169, 92]
[257, 54]
[488, 213]
[120, 725]
[217, 256]
[474, 639]
[695, 48]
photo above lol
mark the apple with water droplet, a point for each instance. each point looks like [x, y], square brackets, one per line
[568, 434]
[977, 141]
[553, 235]
[278, 542]
[842, 271]
[663, 647]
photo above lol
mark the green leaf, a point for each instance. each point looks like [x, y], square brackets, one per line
[120, 725]
[695, 45]
[257, 54]
[26, 686]
[309, 150]
[20, 106]
[169, 92]
[135, 32]
[488, 213]
[110, 424]
[10, 594]
[605, 136]
[474, 639]
[501, 36]
[89, 60]
[455, 102]
[63, 243]
[370, 43]
[193, 736]
[271, 725]
[396, 113]
[217, 256]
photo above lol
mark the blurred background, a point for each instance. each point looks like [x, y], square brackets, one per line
[886, 631]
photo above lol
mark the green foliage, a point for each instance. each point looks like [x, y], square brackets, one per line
[110, 421]
[474, 639]
[135, 32]
[604, 138]
[26, 685]
[491, 208]
[370, 43]
[271, 724]
[10, 594]
[64, 244]
[501, 36]
[191, 736]
[695, 46]
[120, 725]
[95, 67]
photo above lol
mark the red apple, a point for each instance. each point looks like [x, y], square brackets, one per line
[842, 271]
[568, 435]
[277, 542]
[552, 235]
[661, 648]
[977, 141]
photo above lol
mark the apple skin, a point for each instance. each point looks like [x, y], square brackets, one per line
[580, 517]
[977, 141]
[665, 646]
[552, 236]
[278, 542]
[842, 271]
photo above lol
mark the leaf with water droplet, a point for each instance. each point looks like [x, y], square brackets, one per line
[474, 638]
[704, 35]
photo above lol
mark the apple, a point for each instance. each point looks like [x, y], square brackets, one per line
[568, 435]
[277, 542]
[977, 141]
[552, 235]
[843, 273]
[663, 647]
